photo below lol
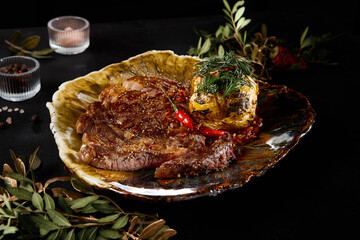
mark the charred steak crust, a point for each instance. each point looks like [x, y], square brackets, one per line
[133, 126]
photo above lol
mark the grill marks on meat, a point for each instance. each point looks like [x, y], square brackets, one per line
[134, 127]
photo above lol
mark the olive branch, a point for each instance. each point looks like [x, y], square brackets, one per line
[32, 210]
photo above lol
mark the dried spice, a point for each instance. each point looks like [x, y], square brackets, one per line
[15, 68]
[33, 210]
[8, 114]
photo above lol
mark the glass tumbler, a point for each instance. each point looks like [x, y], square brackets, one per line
[69, 35]
[22, 84]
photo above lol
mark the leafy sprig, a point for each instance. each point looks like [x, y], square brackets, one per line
[223, 74]
[27, 46]
[260, 47]
[32, 210]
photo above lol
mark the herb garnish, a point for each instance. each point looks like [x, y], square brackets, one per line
[223, 74]
[266, 51]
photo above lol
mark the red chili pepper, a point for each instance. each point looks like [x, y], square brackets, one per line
[180, 114]
[189, 123]
[211, 132]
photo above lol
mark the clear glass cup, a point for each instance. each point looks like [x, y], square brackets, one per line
[22, 85]
[69, 35]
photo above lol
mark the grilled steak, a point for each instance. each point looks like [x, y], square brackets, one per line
[200, 160]
[133, 126]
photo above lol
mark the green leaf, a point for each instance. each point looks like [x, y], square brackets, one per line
[34, 55]
[49, 202]
[37, 201]
[227, 6]
[54, 235]
[218, 32]
[255, 51]
[58, 218]
[27, 208]
[245, 23]
[104, 208]
[88, 209]
[81, 234]
[236, 5]
[7, 203]
[109, 218]
[108, 233]
[82, 202]
[81, 186]
[221, 51]
[43, 224]
[303, 35]
[27, 186]
[239, 13]
[19, 177]
[307, 42]
[45, 51]
[206, 47]
[264, 30]
[240, 22]
[20, 193]
[199, 44]
[10, 230]
[244, 37]
[120, 222]
[240, 37]
[16, 36]
[227, 13]
[2, 211]
[64, 205]
[31, 42]
[27, 223]
[274, 52]
[227, 30]
[91, 233]
[70, 235]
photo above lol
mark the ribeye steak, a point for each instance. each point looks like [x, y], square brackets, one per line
[133, 126]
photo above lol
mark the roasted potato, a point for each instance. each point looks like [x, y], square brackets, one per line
[233, 112]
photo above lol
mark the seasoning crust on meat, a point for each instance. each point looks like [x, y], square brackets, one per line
[133, 127]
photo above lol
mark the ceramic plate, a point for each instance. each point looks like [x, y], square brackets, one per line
[287, 116]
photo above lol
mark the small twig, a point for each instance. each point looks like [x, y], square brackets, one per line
[17, 47]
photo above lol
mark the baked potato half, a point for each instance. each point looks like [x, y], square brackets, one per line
[235, 111]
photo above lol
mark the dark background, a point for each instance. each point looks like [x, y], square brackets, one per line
[320, 14]
[314, 193]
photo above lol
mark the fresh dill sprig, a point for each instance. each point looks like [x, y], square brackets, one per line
[223, 75]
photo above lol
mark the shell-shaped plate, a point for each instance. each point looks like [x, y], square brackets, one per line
[287, 116]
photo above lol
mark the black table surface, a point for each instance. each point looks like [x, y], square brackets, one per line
[313, 191]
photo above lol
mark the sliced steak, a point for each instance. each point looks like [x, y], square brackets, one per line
[200, 160]
[134, 127]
